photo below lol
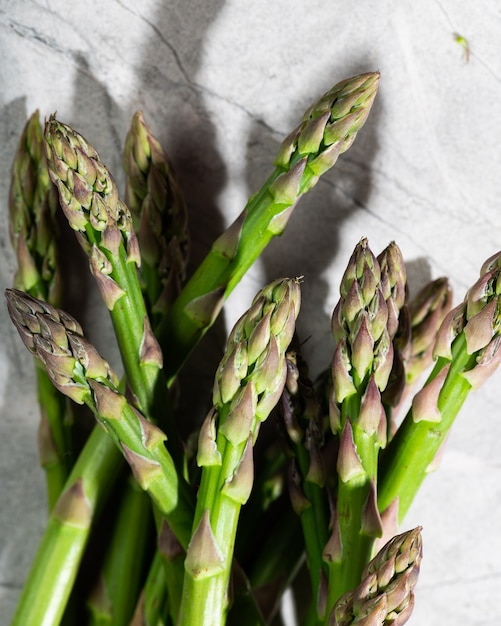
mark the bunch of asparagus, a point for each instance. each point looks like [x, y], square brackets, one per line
[215, 532]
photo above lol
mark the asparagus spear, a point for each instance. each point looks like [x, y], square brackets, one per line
[328, 129]
[159, 217]
[153, 600]
[248, 384]
[32, 212]
[301, 418]
[54, 568]
[416, 337]
[467, 352]
[104, 224]
[33, 233]
[395, 292]
[113, 597]
[360, 370]
[90, 201]
[385, 595]
[78, 371]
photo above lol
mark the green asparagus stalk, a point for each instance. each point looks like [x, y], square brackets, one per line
[161, 596]
[467, 353]
[159, 216]
[301, 417]
[89, 199]
[269, 542]
[41, 328]
[268, 491]
[113, 598]
[385, 595]
[280, 555]
[152, 605]
[104, 224]
[248, 384]
[361, 367]
[160, 221]
[53, 571]
[78, 371]
[328, 129]
[33, 233]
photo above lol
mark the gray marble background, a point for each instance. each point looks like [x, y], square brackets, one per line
[221, 83]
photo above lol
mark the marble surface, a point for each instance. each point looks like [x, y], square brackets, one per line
[221, 83]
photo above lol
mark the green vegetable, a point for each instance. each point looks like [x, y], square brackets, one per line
[228, 536]
[466, 352]
[327, 130]
[248, 384]
[361, 367]
[33, 234]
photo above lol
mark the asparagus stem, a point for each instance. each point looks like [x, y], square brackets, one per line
[153, 601]
[54, 436]
[328, 129]
[467, 348]
[54, 568]
[279, 557]
[301, 417]
[33, 234]
[161, 596]
[360, 371]
[248, 384]
[172, 555]
[78, 371]
[113, 597]
[90, 201]
[412, 450]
